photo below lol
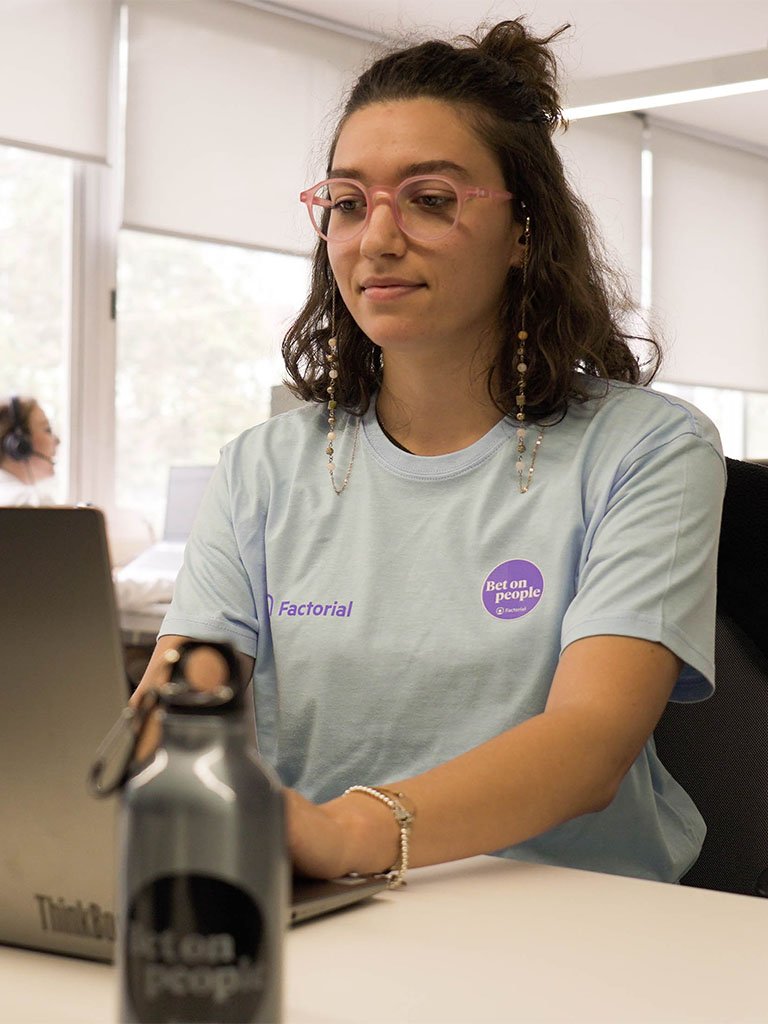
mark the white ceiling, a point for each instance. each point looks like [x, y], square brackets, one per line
[607, 37]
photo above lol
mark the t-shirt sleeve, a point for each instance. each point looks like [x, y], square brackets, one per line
[213, 596]
[649, 567]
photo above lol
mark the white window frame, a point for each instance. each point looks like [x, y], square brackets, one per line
[92, 354]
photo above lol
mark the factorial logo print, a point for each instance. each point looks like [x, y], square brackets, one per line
[513, 589]
[309, 609]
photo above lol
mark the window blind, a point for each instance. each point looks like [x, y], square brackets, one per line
[710, 261]
[228, 111]
[56, 71]
[602, 159]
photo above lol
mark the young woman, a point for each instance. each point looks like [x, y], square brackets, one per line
[476, 618]
[27, 452]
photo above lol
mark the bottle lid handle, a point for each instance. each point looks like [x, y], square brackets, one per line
[180, 692]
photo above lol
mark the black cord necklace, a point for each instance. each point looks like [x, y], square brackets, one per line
[390, 438]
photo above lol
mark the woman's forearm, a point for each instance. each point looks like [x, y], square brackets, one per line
[607, 695]
[503, 792]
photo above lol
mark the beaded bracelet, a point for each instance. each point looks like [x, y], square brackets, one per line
[404, 819]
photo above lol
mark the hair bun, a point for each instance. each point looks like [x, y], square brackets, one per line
[526, 63]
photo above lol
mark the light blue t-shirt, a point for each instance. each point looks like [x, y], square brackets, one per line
[424, 610]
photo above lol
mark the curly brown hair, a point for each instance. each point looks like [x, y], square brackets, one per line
[505, 83]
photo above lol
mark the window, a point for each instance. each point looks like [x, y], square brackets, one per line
[756, 425]
[198, 350]
[35, 276]
[740, 416]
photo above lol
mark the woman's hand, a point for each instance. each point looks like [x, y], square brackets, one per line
[351, 833]
[315, 838]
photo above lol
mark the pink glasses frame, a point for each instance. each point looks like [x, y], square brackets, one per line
[392, 194]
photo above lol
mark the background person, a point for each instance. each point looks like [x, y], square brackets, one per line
[27, 453]
[471, 572]
[28, 449]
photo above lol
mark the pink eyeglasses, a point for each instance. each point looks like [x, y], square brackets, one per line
[426, 207]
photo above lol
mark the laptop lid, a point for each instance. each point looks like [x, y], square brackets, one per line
[62, 686]
[161, 561]
[62, 683]
[186, 486]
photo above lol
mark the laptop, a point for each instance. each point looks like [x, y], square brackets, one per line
[186, 486]
[62, 686]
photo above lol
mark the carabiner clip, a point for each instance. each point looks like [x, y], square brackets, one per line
[111, 766]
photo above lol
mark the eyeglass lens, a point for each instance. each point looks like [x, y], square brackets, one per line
[426, 209]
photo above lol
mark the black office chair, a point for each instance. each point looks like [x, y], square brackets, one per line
[718, 749]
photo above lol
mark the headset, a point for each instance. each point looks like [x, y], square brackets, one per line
[17, 443]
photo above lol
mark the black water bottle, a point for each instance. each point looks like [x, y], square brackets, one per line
[203, 875]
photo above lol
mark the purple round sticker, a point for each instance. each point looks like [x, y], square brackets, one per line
[513, 589]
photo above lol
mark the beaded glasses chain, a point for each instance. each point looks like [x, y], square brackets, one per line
[332, 355]
[524, 482]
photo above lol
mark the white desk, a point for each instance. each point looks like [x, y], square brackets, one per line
[483, 940]
[141, 627]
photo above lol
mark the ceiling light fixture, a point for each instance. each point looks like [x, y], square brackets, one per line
[669, 99]
[732, 75]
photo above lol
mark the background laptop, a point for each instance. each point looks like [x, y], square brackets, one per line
[186, 486]
[62, 685]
